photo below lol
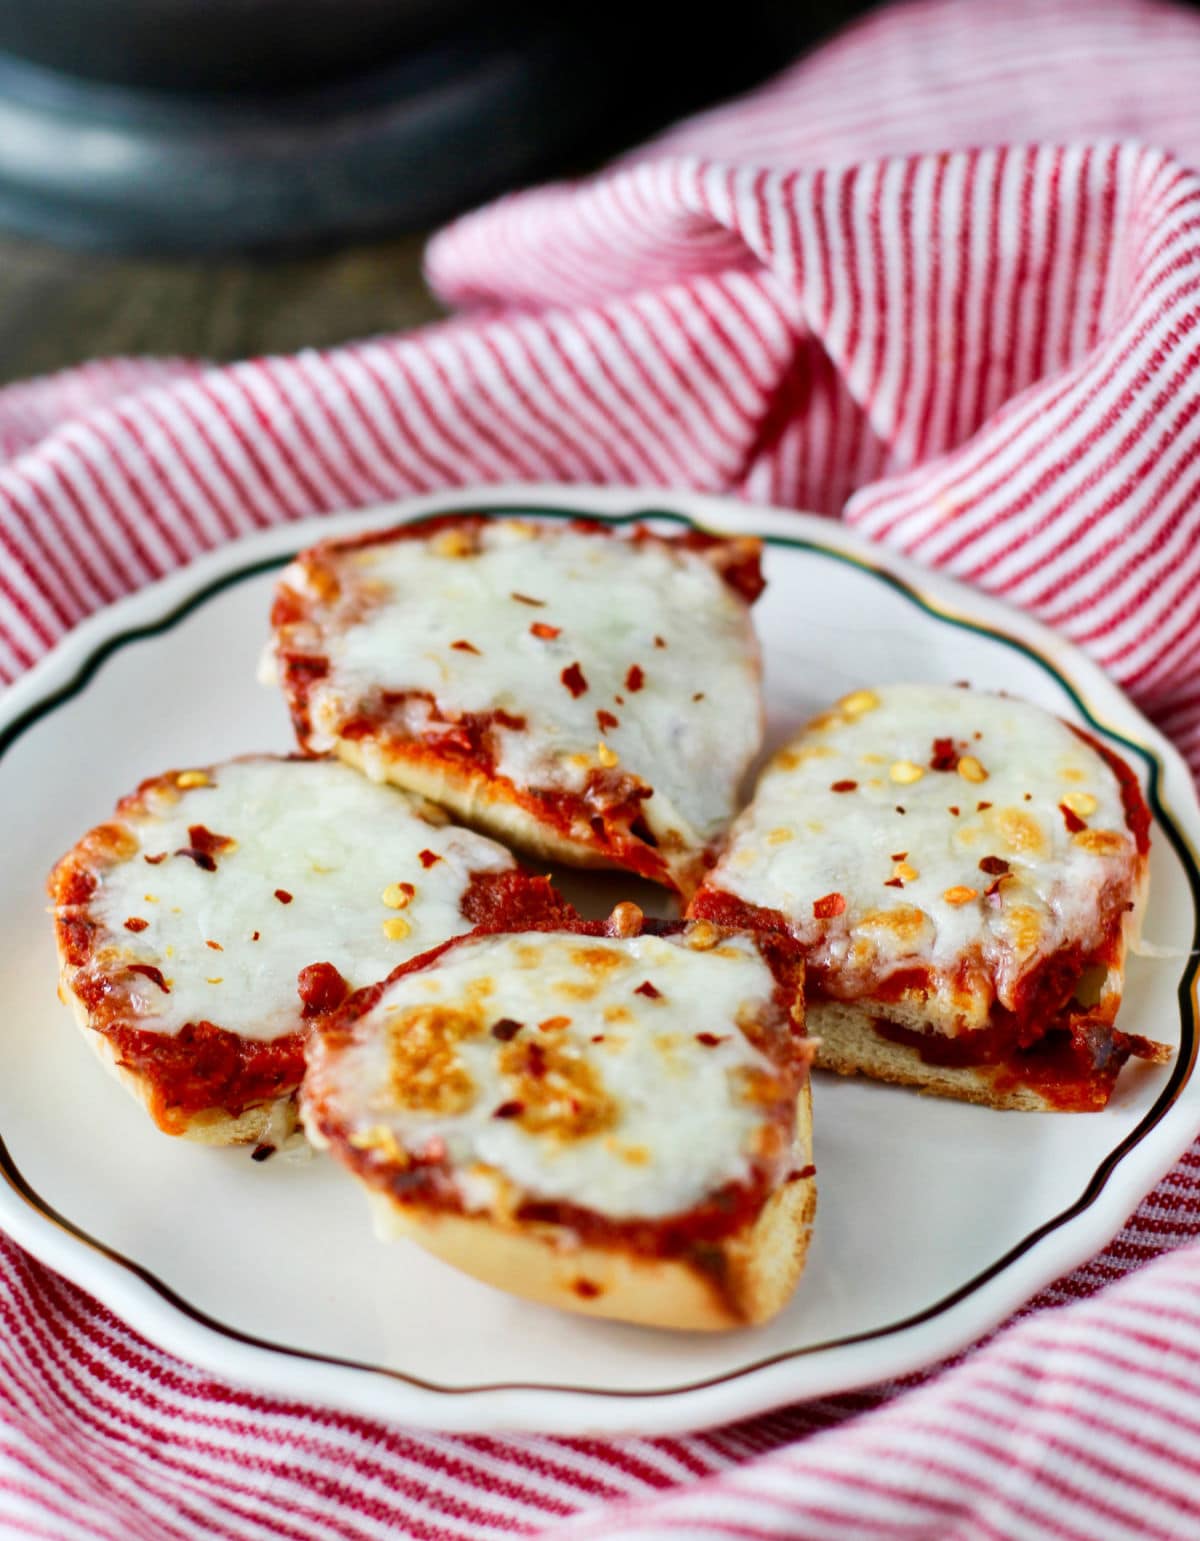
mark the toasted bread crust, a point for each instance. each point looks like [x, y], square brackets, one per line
[746, 1279]
[848, 1044]
[266, 1123]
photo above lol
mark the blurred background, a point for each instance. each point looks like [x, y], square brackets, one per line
[220, 178]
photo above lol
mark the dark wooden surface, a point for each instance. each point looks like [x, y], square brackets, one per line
[63, 307]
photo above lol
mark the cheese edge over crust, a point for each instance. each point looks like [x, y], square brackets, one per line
[562, 759]
[444, 1055]
[827, 820]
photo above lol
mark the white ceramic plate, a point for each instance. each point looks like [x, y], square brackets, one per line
[935, 1219]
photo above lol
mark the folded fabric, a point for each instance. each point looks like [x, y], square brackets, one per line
[864, 290]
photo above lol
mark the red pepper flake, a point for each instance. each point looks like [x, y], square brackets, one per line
[216, 946]
[699, 696]
[524, 599]
[1071, 819]
[899, 809]
[710, 1040]
[587, 1289]
[509, 1110]
[634, 677]
[798, 1173]
[554, 1024]
[283, 896]
[201, 839]
[545, 632]
[463, 646]
[1029, 797]
[428, 858]
[262, 1152]
[648, 990]
[992, 889]
[893, 883]
[899, 855]
[136, 923]
[535, 1061]
[606, 722]
[506, 1029]
[597, 1037]
[658, 642]
[828, 906]
[572, 678]
[844, 786]
[204, 846]
[954, 809]
[255, 936]
[995, 866]
[321, 988]
[982, 807]
[945, 756]
[154, 860]
[153, 974]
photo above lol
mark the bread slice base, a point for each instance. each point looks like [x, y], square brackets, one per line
[753, 1277]
[267, 1123]
[481, 804]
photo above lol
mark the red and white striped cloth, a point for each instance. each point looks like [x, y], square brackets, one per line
[941, 279]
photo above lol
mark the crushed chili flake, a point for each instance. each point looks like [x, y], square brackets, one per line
[993, 888]
[201, 839]
[255, 936]
[506, 1029]
[597, 1037]
[509, 1110]
[535, 1061]
[899, 809]
[153, 974]
[427, 858]
[262, 1152]
[899, 855]
[321, 988]
[136, 923]
[554, 1024]
[463, 646]
[634, 677]
[524, 599]
[954, 809]
[648, 990]
[844, 786]
[283, 896]
[800, 1172]
[945, 756]
[699, 696]
[202, 859]
[572, 678]
[828, 906]
[1071, 819]
[546, 632]
[710, 1040]
[586, 1289]
[154, 860]
[658, 642]
[893, 883]
[995, 866]
[216, 946]
[982, 807]
[606, 722]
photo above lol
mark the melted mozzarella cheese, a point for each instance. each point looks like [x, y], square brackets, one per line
[853, 810]
[313, 831]
[649, 634]
[632, 1117]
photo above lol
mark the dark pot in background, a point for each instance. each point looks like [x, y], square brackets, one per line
[214, 125]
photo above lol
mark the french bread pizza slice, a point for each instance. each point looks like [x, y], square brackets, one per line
[221, 910]
[612, 1117]
[556, 684]
[964, 872]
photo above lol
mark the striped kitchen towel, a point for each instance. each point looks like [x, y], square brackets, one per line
[942, 280]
